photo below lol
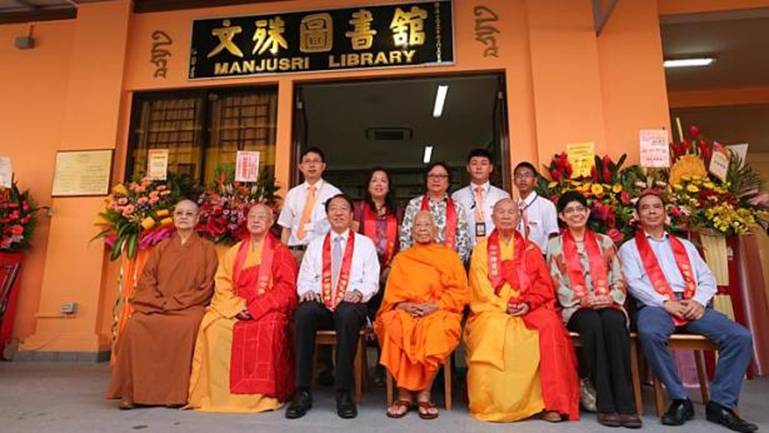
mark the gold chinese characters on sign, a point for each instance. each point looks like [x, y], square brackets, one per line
[373, 36]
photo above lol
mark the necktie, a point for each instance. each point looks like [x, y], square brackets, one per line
[336, 262]
[524, 224]
[479, 216]
[309, 204]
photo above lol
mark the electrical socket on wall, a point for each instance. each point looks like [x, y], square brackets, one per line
[69, 308]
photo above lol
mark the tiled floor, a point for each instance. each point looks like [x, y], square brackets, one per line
[67, 397]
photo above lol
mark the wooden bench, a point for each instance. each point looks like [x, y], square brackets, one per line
[328, 338]
[634, 368]
[447, 402]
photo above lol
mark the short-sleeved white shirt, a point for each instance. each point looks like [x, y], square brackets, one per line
[293, 206]
[541, 217]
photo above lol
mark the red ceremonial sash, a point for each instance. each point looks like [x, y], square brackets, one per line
[513, 271]
[344, 273]
[657, 277]
[264, 268]
[451, 220]
[595, 260]
[369, 229]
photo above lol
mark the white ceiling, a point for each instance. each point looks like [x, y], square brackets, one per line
[338, 115]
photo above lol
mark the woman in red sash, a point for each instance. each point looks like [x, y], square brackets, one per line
[243, 356]
[591, 290]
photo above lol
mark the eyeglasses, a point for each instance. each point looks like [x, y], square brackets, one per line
[577, 209]
[437, 176]
[523, 175]
[312, 161]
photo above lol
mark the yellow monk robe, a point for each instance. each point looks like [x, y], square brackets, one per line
[414, 348]
[502, 354]
[209, 389]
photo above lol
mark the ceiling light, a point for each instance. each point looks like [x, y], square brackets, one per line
[685, 63]
[440, 99]
[428, 154]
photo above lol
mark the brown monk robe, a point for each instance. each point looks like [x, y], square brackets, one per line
[153, 356]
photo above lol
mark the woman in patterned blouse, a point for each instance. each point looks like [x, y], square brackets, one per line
[588, 278]
[450, 217]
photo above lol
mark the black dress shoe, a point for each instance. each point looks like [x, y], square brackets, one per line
[727, 418]
[345, 407]
[301, 403]
[678, 413]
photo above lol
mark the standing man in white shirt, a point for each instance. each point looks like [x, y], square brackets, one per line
[303, 217]
[339, 274]
[480, 196]
[539, 219]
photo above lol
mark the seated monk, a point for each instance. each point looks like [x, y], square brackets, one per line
[153, 356]
[520, 357]
[419, 323]
[243, 357]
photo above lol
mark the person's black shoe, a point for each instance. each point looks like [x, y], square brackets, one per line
[300, 404]
[678, 413]
[345, 407]
[727, 418]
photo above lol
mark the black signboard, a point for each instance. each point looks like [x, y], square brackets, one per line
[406, 34]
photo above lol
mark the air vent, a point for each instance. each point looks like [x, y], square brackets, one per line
[389, 134]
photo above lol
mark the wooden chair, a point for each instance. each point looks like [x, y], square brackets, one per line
[328, 338]
[698, 344]
[634, 369]
[446, 385]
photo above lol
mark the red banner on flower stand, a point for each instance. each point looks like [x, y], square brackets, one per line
[10, 276]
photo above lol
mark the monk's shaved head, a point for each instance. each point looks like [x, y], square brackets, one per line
[506, 202]
[423, 229]
[505, 216]
[186, 215]
[261, 208]
[187, 204]
[259, 220]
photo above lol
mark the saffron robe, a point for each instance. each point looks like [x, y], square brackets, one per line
[414, 348]
[153, 355]
[518, 366]
[254, 373]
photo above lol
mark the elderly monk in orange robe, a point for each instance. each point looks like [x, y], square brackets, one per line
[153, 356]
[419, 322]
[513, 312]
[243, 359]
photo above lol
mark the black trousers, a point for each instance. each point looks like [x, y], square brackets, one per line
[605, 355]
[347, 320]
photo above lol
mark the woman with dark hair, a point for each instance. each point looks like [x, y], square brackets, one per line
[450, 218]
[377, 216]
[591, 289]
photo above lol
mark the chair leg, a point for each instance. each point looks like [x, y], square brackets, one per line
[447, 384]
[359, 372]
[659, 396]
[389, 387]
[636, 377]
[699, 360]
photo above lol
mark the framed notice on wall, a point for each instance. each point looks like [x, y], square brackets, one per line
[81, 173]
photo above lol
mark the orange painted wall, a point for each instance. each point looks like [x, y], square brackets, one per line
[558, 91]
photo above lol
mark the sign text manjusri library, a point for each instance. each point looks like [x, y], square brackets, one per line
[363, 37]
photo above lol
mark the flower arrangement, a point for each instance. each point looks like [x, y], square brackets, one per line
[224, 204]
[137, 216]
[609, 190]
[17, 218]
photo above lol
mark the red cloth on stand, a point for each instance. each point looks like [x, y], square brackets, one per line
[7, 318]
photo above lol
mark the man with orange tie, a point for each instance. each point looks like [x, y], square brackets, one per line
[339, 274]
[539, 219]
[303, 217]
[480, 196]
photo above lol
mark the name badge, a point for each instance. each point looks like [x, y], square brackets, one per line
[480, 230]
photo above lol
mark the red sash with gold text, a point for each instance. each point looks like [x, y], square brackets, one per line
[451, 220]
[657, 277]
[265, 268]
[507, 271]
[595, 261]
[331, 300]
[369, 229]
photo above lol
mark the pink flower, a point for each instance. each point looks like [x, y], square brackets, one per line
[142, 200]
[122, 201]
[17, 229]
[154, 194]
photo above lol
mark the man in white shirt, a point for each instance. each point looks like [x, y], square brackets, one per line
[480, 196]
[339, 274]
[303, 217]
[539, 219]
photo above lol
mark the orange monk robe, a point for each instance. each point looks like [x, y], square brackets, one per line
[153, 355]
[414, 348]
[557, 362]
[210, 381]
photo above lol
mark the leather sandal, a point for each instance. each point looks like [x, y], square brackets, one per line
[394, 410]
[427, 405]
